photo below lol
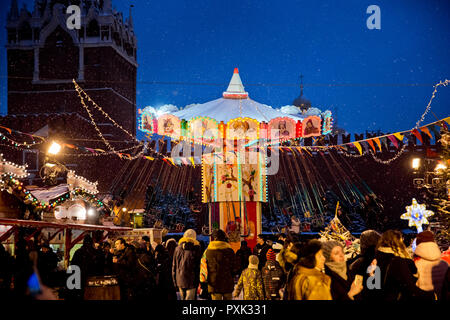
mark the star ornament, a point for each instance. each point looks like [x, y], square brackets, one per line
[417, 215]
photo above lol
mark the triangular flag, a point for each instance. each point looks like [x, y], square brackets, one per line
[358, 146]
[171, 160]
[372, 145]
[417, 134]
[425, 129]
[436, 131]
[399, 136]
[99, 150]
[394, 141]
[377, 141]
[192, 161]
[385, 143]
[447, 120]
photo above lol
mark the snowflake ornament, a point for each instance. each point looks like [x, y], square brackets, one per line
[417, 215]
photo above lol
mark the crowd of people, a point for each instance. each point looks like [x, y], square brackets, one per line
[286, 269]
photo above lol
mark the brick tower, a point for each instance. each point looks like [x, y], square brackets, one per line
[44, 56]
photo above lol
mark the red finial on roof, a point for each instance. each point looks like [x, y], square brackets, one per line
[236, 70]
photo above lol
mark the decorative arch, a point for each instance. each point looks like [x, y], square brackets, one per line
[93, 28]
[243, 128]
[58, 19]
[25, 31]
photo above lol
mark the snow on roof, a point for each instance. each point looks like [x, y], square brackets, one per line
[226, 109]
[47, 194]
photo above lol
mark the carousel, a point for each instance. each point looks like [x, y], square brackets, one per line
[237, 138]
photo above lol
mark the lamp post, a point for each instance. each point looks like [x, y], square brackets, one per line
[52, 167]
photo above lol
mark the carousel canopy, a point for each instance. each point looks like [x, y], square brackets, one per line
[234, 104]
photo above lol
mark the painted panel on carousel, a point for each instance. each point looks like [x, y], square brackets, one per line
[282, 128]
[147, 121]
[327, 122]
[311, 126]
[253, 178]
[242, 128]
[203, 129]
[169, 125]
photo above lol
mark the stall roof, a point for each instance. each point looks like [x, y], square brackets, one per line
[44, 224]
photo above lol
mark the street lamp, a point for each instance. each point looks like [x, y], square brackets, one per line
[55, 148]
[416, 163]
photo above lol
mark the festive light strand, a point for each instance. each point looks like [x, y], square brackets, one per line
[397, 155]
[428, 108]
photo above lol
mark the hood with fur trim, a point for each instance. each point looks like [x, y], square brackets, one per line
[184, 240]
[217, 245]
[428, 251]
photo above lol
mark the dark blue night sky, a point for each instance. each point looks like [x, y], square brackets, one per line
[378, 79]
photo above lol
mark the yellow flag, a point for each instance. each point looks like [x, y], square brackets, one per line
[358, 146]
[399, 136]
[171, 160]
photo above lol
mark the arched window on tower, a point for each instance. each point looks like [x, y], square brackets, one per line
[25, 32]
[93, 29]
[59, 57]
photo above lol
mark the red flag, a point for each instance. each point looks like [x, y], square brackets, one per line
[393, 140]
[418, 135]
[371, 145]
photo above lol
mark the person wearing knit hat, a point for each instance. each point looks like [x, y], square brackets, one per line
[273, 277]
[270, 255]
[250, 281]
[186, 265]
[308, 281]
[431, 267]
[342, 285]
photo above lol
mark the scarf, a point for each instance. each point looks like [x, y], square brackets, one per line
[339, 267]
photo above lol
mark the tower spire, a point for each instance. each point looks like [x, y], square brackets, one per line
[301, 85]
[14, 11]
[130, 18]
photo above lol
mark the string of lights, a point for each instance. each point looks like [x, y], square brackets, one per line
[78, 88]
[428, 108]
[397, 155]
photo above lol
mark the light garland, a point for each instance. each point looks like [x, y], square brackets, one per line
[16, 143]
[428, 108]
[398, 154]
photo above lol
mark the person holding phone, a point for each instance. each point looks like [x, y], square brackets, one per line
[343, 285]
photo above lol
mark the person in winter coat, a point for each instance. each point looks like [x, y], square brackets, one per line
[397, 271]
[273, 277]
[260, 250]
[286, 258]
[164, 283]
[251, 281]
[218, 267]
[368, 243]
[145, 276]
[6, 272]
[46, 264]
[308, 281]
[84, 258]
[242, 256]
[432, 269]
[342, 285]
[125, 262]
[186, 265]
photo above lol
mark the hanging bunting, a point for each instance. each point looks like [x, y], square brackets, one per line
[357, 146]
[418, 135]
[435, 130]
[426, 131]
[371, 145]
[399, 136]
[394, 141]
[384, 142]
[377, 141]
[99, 150]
